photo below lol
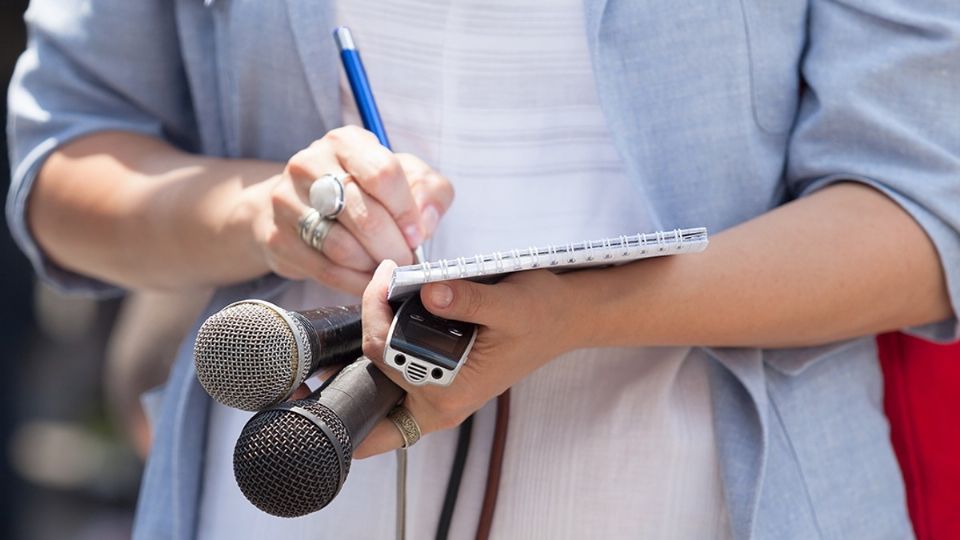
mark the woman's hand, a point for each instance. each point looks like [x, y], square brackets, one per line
[524, 322]
[392, 203]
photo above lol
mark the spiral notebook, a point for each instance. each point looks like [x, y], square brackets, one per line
[562, 257]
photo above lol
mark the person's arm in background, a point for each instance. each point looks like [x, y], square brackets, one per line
[149, 328]
[871, 244]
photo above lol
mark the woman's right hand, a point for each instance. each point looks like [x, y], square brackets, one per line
[392, 204]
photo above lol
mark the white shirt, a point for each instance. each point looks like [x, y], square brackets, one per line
[499, 96]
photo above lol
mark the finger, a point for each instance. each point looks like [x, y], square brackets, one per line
[339, 245]
[344, 250]
[364, 216]
[292, 256]
[379, 173]
[309, 164]
[382, 438]
[301, 392]
[373, 226]
[462, 300]
[377, 316]
[321, 376]
[432, 192]
[376, 313]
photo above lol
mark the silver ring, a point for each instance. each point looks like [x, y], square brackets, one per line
[307, 222]
[406, 424]
[326, 195]
[320, 232]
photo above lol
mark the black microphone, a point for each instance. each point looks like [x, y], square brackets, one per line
[292, 459]
[253, 354]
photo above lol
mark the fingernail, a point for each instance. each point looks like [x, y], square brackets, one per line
[414, 238]
[441, 295]
[429, 218]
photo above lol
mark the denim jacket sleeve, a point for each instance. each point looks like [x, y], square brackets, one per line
[100, 65]
[881, 107]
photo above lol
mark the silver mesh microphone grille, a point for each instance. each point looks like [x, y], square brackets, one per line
[286, 465]
[247, 356]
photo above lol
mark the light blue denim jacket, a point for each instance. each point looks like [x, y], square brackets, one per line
[720, 109]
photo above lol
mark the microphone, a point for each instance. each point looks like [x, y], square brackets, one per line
[292, 459]
[252, 354]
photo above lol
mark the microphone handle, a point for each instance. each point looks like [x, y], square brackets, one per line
[335, 334]
[360, 395]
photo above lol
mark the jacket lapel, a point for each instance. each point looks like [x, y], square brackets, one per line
[738, 385]
[312, 23]
[170, 491]
[593, 14]
[191, 414]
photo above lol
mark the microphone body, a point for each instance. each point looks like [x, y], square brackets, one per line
[334, 333]
[253, 354]
[292, 459]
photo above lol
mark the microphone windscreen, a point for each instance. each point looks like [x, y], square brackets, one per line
[247, 355]
[289, 464]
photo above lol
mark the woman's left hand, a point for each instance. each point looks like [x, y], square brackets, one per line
[523, 322]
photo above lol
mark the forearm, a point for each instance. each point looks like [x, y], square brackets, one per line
[844, 262]
[137, 212]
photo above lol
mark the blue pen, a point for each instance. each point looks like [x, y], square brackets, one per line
[363, 95]
[359, 84]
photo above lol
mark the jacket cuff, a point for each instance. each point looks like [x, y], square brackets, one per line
[945, 239]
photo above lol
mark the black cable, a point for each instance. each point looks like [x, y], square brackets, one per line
[456, 475]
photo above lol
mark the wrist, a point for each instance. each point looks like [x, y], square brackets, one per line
[620, 306]
[242, 225]
[214, 211]
[583, 324]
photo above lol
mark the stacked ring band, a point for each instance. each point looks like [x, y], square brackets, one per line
[406, 424]
[307, 222]
[320, 233]
[314, 228]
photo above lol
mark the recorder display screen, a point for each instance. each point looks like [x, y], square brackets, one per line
[433, 339]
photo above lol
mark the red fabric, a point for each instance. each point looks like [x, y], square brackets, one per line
[922, 401]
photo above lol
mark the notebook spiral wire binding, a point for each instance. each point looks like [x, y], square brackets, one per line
[588, 252]
[513, 260]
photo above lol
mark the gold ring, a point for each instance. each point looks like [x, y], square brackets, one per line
[406, 424]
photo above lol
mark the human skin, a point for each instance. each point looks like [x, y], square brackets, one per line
[768, 282]
[135, 211]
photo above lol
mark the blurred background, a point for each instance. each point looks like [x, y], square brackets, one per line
[66, 471]
[72, 433]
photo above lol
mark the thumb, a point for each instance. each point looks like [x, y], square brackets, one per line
[375, 312]
[462, 300]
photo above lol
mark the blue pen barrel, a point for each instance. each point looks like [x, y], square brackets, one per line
[360, 86]
[363, 94]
